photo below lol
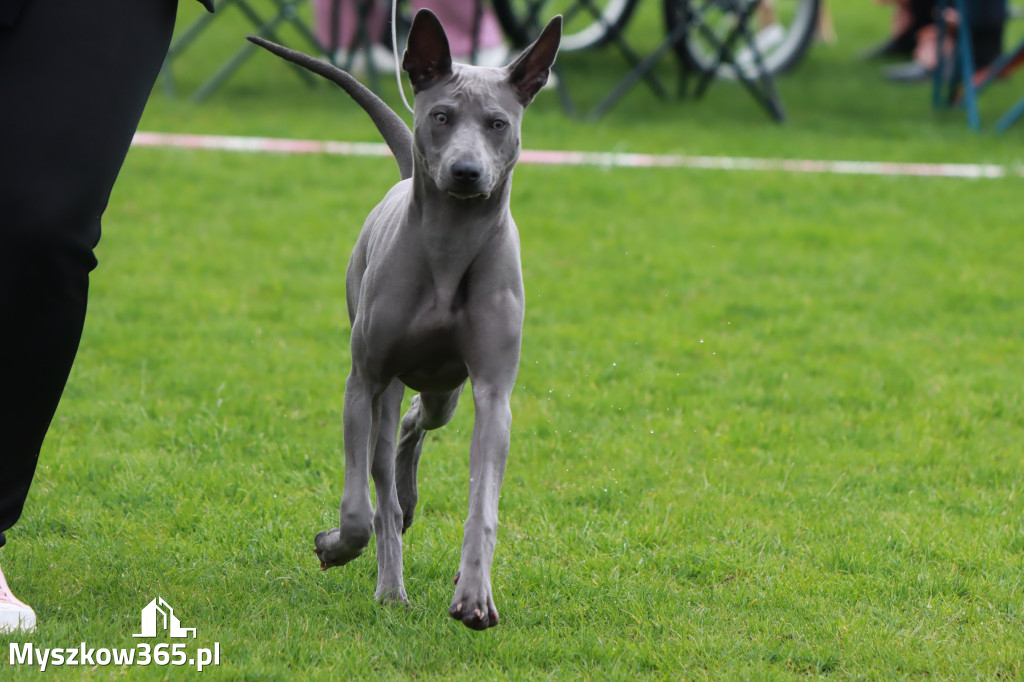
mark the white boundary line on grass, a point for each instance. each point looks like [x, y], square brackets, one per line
[601, 159]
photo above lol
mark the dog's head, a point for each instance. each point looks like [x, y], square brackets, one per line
[467, 119]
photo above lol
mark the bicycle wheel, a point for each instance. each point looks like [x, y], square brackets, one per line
[522, 19]
[783, 31]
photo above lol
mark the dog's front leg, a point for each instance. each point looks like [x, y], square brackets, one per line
[473, 602]
[361, 421]
[387, 522]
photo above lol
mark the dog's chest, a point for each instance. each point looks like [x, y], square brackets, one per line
[421, 309]
[429, 355]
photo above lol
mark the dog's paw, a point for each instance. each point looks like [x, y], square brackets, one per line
[392, 596]
[408, 513]
[474, 607]
[407, 499]
[335, 549]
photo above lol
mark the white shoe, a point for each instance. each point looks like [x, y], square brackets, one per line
[766, 40]
[15, 615]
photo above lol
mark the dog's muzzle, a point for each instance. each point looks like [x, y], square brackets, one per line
[466, 181]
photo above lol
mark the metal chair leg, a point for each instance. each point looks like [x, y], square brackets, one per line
[286, 12]
[1010, 117]
[962, 65]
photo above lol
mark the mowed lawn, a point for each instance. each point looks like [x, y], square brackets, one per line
[767, 425]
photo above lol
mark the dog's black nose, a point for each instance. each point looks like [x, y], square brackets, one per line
[466, 171]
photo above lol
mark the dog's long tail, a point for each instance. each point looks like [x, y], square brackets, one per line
[391, 126]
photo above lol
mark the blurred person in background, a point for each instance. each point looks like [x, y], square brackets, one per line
[74, 76]
[915, 35]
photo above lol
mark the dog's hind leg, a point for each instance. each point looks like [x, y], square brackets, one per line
[361, 416]
[387, 521]
[428, 411]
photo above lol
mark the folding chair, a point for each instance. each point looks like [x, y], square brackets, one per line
[532, 22]
[1002, 68]
[1007, 65]
[762, 85]
[964, 90]
[285, 12]
[691, 15]
[640, 68]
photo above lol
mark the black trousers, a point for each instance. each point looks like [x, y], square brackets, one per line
[986, 19]
[74, 78]
[984, 13]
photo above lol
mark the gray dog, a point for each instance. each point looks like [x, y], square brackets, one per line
[435, 297]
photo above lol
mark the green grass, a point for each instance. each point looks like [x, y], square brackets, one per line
[767, 426]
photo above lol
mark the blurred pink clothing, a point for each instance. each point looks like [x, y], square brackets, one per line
[456, 16]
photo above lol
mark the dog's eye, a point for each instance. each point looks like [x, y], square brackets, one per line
[498, 124]
[440, 118]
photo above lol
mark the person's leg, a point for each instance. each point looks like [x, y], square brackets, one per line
[922, 13]
[987, 20]
[75, 77]
[909, 17]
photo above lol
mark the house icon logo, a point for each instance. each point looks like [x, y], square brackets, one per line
[158, 614]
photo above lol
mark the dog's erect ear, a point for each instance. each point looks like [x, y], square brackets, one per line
[529, 72]
[427, 56]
